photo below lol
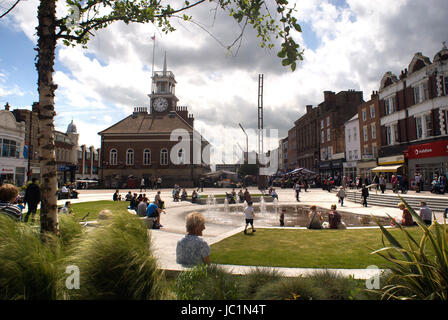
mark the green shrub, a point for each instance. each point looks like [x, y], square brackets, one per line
[289, 289]
[29, 269]
[116, 262]
[206, 283]
[419, 267]
[252, 281]
[333, 285]
[70, 229]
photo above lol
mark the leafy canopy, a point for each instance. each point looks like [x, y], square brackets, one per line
[86, 16]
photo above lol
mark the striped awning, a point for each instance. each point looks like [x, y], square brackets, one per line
[387, 168]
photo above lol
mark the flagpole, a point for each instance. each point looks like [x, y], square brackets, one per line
[153, 56]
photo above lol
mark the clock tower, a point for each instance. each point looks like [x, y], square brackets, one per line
[163, 97]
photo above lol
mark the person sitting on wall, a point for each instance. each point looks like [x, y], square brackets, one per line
[184, 195]
[116, 195]
[128, 196]
[194, 196]
[153, 211]
[65, 192]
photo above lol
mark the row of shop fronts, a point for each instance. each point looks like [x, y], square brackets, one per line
[429, 159]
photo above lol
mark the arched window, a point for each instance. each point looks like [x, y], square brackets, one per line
[164, 156]
[130, 157]
[180, 156]
[113, 157]
[147, 157]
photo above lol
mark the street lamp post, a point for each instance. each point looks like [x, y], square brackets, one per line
[247, 141]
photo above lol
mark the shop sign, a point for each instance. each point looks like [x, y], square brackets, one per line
[7, 170]
[367, 157]
[337, 163]
[350, 164]
[324, 165]
[391, 160]
[428, 150]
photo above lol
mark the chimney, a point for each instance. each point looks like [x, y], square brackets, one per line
[328, 95]
[7, 106]
[374, 95]
[309, 107]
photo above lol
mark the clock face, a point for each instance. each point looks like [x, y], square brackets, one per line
[160, 104]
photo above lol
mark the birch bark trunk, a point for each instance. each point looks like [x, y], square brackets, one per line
[46, 32]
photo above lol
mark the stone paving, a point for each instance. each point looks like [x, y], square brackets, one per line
[165, 239]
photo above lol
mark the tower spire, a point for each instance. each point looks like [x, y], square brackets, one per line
[164, 65]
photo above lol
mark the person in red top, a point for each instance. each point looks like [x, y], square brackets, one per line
[406, 218]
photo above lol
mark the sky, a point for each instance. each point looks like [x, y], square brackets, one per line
[348, 44]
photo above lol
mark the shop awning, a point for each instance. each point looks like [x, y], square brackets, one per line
[387, 168]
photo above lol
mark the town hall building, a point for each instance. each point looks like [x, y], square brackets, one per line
[159, 143]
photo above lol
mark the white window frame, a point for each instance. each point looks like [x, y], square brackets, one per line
[147, 157]
[322, 136]
[427, 128]
[389, 104]
[374, 150]
[373, 131]
[328, 134]
[328, 121]
[421, 92]
[130, 157]
[164, 156]
[350, 154]
[372, 112]
[364, 115]
[113, 157]
[322, 123]
[389, 138]
[365, 133]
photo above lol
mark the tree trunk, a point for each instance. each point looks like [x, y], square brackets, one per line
[46, 33]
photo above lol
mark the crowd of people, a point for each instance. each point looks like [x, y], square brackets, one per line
[140, 205]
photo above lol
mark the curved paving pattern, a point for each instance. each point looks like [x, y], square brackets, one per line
[165, 239]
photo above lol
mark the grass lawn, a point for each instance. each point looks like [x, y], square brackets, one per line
[94, 207]
[305, 248]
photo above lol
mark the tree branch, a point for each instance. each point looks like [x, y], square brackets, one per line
[10, 9]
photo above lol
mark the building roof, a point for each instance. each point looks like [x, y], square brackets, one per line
[148, 123]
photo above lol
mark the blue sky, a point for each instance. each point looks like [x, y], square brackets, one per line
[348, 45]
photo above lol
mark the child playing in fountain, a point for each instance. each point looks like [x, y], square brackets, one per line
[282, 217]
[249, 213]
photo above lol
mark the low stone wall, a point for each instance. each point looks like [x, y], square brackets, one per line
[203, 201]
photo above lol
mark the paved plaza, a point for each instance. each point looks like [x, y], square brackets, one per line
[165, 239]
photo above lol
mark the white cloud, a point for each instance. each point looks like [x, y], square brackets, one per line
[358, 43]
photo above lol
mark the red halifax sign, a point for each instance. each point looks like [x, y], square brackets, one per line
[428, 150]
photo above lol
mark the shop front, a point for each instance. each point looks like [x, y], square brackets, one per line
[388, 166]
[325, 168]
[350, 169]
[365, 169]
[428, 159]
[338, 168]
[12, 174]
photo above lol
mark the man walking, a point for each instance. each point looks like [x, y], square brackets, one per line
[365, 195]
[142, 184]
[32, 199]
[297, 189]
